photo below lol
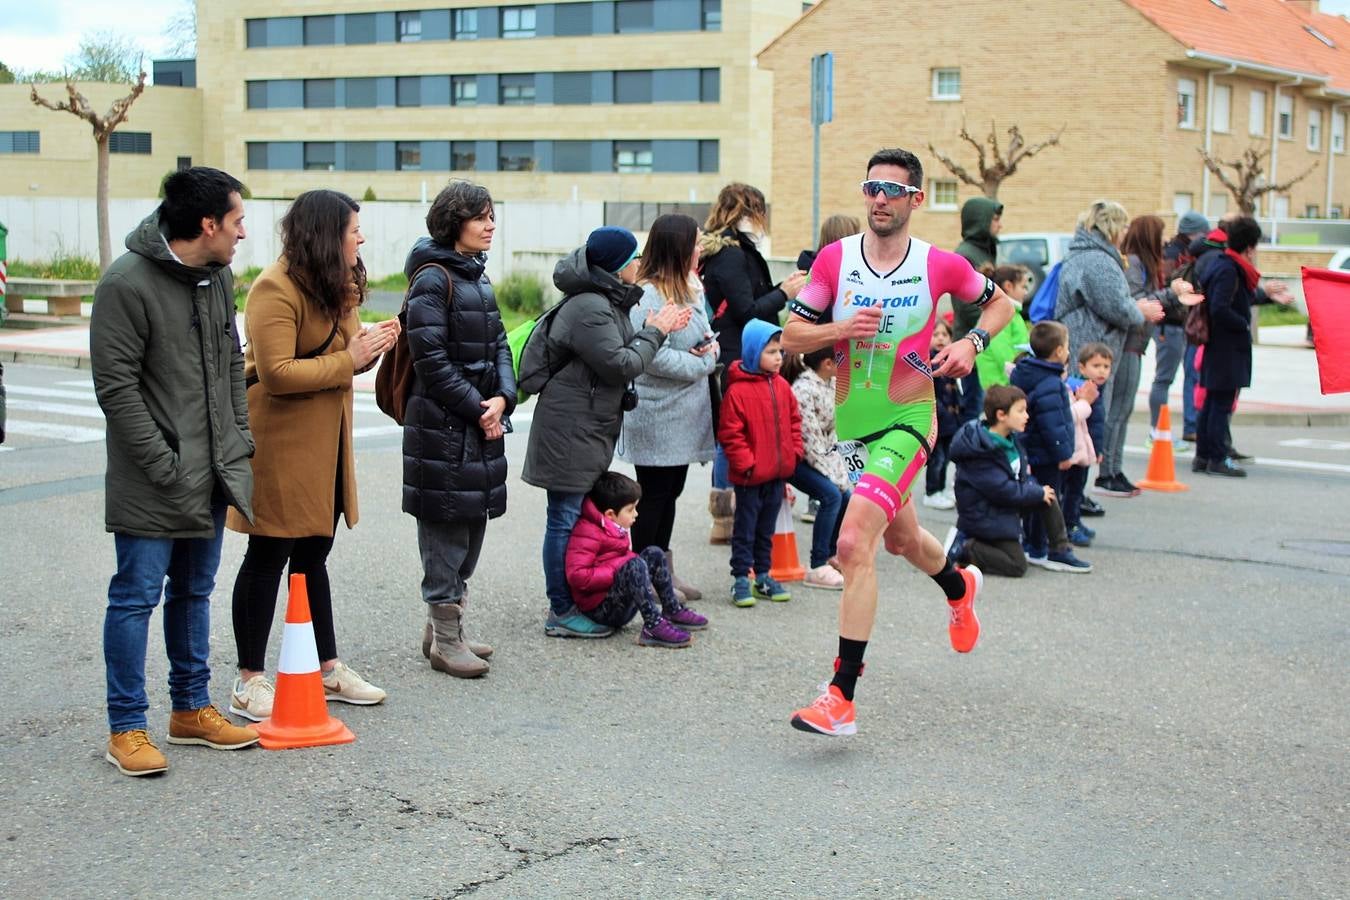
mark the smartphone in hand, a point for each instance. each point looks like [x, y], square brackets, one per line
[707, 341]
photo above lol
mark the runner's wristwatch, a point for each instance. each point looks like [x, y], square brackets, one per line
[979, 337]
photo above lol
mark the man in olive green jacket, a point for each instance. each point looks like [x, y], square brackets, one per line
[169, 376]
[981, 221]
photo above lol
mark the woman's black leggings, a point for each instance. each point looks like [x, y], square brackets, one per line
[661, 487]
[255, 594]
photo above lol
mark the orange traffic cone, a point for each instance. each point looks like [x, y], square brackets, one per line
[300, 711]
[785, 565]
[1162, 470]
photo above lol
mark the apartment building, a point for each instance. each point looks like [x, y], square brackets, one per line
[1139, 87]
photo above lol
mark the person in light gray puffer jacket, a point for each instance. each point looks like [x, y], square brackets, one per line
[1094, 298]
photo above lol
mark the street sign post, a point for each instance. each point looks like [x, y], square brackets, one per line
[822, 111]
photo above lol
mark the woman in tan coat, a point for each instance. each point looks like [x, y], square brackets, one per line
[305, 342]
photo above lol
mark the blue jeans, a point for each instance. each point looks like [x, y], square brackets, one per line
[721, 479]
[1190, 380]
[752, 534]
[825, 532]
[1171, 343]
[142, 565]
[972, 397]
[563, 511]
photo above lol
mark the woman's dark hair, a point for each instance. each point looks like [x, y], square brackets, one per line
[457, 203]
[1244, 233]
[614, 490]
[312, 234]
[667, 258]
[1000, 398]
[192, 195]
[1144, 239]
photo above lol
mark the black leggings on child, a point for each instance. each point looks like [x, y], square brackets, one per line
[642, 585]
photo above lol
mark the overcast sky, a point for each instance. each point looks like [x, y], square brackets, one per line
[40, 34]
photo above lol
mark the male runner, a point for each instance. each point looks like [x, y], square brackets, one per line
[874, 297]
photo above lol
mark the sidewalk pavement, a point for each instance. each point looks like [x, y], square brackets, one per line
[1285, 389]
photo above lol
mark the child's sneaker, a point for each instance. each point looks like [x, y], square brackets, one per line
[663, 634]
[1090, 532]
[812, 507]
[1079, 537]
[1035, 556]
[766, 588]
[826, 577]
[1065, 561]
[938, 500]
[741, 595]
[1092, 508]
[689, 620]
[830, 714]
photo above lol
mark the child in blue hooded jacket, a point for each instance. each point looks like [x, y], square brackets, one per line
[760, 431]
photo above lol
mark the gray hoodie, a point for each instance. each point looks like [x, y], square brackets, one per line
[169, 375]
[1094, 297]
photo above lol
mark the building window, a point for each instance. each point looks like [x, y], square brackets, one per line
[320, 30]
[1218, 205]
[409, 26]
[320, 93]
[1334, 212]
[1183, 203]
[1220, 113]
[21, 142]
[1315, 129]
[517, 90]
[408, 156]
[712, 15]
[256, 94]
[572, 19]
[1285, 127]
[708, 160]
[464, 90]
[632, 157]
[1312, 211]
[360, 156]
[1185, 103]
[1338, 132]
[408, 90]
[463, 155]
[572, 88]
[515, 156]
[129, 142]
[466, 25]
[572, 156]
[633, 16]
[359, 28]
[710, 86]
[184, 163]
[633, 87]
[361, 93]
[257, 155]
[256, 33]
[321, 156]
[518, 22]
[1256, 114]
[944, 195]
[1280, 208]
[946, 84]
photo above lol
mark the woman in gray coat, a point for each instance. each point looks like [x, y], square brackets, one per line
[672, 425]
[1094, 299]
[579, 413]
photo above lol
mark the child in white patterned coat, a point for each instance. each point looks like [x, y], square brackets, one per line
[822, 475]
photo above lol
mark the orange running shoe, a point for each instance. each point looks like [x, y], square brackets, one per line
[964, 627]
[829, 714]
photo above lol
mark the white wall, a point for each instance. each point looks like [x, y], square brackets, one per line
[40, 227]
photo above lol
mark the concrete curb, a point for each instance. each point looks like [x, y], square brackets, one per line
[46, 358]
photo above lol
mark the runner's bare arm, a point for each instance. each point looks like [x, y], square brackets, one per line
[958, 358]
[802, 336]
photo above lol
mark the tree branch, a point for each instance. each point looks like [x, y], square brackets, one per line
[955, 168]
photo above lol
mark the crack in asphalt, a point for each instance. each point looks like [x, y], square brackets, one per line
[525, 857]
[1211, 557]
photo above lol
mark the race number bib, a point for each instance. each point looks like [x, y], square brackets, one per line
[855, 458]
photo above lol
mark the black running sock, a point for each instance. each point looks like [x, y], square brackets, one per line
[951, 581]
[848, 666]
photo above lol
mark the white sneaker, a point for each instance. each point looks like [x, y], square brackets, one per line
[252, 699]
[343, 683]
[950, 494]
[826, 577]
[938, 501]
[1041, 561]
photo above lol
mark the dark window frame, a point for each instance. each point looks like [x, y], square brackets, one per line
[402, 147]
[520, 30]
[507, 163]
[403, 34]
[461, 149]
[319, 165]
[460, 22]
[519, 83]
[638, 149]
[140, 143]
[634, 9]
[457, 81]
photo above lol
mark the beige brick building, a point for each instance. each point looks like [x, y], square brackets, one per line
[1139, 87]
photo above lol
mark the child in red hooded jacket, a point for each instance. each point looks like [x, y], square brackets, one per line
[761, 433]
[610, 583]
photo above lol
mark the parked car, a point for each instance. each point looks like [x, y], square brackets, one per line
[1037, 250]
[1341, 259]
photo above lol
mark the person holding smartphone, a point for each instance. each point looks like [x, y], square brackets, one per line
[672, 425]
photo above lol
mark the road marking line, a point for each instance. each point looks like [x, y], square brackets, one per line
[1316, 444]
[73, 434]
[376, 431]
[1275, 463]
[58, 409]
[49, 392]
[86, 383]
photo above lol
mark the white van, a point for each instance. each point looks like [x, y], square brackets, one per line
[1037, 250]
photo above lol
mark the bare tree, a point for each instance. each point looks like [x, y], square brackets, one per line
[182, 31]
[103, 126]
[994, 165]
[1247, 181]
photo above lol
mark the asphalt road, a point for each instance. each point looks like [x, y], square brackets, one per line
[1174, 724]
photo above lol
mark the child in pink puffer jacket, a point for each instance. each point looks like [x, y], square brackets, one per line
[610, 583]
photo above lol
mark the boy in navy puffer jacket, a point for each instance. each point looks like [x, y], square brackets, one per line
[761, 433]
[1050, 431]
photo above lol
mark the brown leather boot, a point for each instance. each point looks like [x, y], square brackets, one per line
[482, 651]
[208, 728]
[135, 754]
[690, 593]
[722, 507]
[447, 651]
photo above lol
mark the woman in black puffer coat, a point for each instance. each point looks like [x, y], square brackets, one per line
[454, 459]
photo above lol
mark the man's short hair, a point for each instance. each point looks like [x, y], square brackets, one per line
[1046, 337]
[192, 195]
[1243, 233]
[1095, 348]
[894, 156]
[1000, 398]
[458, 202]
[614, 490]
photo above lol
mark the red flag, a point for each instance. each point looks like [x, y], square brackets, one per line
[1327, 294]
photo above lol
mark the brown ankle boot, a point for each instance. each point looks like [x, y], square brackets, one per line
[446, 650]
[482, 651]
[722, 507]
[690, 593]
